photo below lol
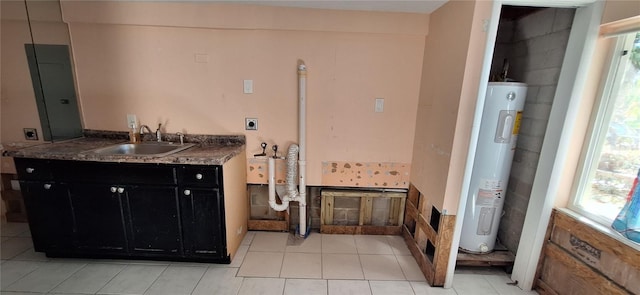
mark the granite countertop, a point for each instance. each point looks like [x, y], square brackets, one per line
[209, 149]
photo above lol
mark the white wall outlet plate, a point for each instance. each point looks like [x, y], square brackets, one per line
[379, 105]
[247, 86]
[250, 124]
[132, 121]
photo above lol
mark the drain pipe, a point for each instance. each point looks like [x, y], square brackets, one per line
[302, 137]
[294, 152]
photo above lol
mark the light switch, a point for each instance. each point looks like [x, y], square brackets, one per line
[132, 121]
[248, 86]
[379, 105]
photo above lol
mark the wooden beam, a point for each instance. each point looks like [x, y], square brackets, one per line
[413, 195]
[366, 210]
[581, 270]
[427, 229]
[543, 289]
[271, 225]
[598, 239]
[326, 210]
[361, 230]
[547, 237]
[443, 248]
[423, 263]
[495, 258]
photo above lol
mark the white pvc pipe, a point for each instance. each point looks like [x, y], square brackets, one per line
[302, 137]
[272, 189]
[294, 152]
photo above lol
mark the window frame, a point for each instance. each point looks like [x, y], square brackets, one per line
[596, 133]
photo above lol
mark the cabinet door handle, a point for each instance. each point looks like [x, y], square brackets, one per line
[113, 189]
[30, 170]
[120, 190]
[187, 192]
[47, 186]
[198, 176]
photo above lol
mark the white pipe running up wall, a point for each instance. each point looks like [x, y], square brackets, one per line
[294, 152]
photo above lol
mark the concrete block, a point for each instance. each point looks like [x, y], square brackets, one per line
[343, 202]
[535, 24]
[563, 19]
[380, 217]
[547, 42]
[530, 143]
[532, 94]
[546, 94]
[536, 111]
[381, 203]
[353, 216]
[505, 31]
[542, 77]
[546, 59]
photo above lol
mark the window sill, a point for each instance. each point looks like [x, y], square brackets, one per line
[601, 228]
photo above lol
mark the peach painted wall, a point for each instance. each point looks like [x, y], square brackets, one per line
[616, 10]
[190, 79]
[18, 107]
[452, 64]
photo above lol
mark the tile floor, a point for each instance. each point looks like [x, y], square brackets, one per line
[267, 263]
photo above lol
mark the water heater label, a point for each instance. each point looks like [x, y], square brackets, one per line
[487, 198]
[491, 184]
[517, 122]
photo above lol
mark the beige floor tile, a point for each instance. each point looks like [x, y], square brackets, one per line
[90, 279]
[14, 247]
[305, 286]
[338, 244]
[177, 280]
[45, 277]
[13, 229]
[381, 267]
[31, 255]
[423, 288]
[14, 270]
[248, 238]
[312, 244]
[261, 264]
[219, 281]
[269, 242]
[262, 286]
[469, 284]
[372, 245]
[390, 288]
[239, 257]
[398, 245]
[348, 287]
[503, 284]
[134, 279]
[341, 267]
[410, 268]
[302, 266]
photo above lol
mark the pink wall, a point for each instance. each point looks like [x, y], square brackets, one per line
[452, 64]
[151, 70]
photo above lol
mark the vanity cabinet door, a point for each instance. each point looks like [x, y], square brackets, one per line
[99, 218]
[153, 220]
[49, 212]
[202, 222]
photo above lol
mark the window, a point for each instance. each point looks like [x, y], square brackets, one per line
[612, 156]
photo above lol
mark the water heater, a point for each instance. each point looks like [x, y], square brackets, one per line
[499, 129]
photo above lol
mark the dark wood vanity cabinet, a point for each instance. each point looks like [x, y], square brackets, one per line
[126, 210]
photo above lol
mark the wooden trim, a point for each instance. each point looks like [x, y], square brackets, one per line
[495, 258]
[366, 210]
[400, 211]
[411, 212]
[270, 225]
[427, 229]
[598, 239]
[413, 195]
[443, 248]
[544, 289]
[423, 263]
[361, 230]
[596, 280]
[547, 237]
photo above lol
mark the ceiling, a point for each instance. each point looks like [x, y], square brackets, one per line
[414, 6]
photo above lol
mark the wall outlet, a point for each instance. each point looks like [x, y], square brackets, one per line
[379, 105]
[251, 124]
[247, 86]
[30, 133]
[132, 121]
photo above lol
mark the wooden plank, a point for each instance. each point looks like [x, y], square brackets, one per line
[547, 237]
[581, 270]
[361, 230]
[495, 258]
[427, 229]
[327, 210]
[411, 212]
[366, 210]
[269, 225]
[423, 262]
[542, 288]
[403, 202]
[598, 239]
[413, 195]
[443, 248]
[394, 204]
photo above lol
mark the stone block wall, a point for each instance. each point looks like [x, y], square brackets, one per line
[535, 46]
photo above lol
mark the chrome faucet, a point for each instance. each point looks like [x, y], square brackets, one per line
[143, 127]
